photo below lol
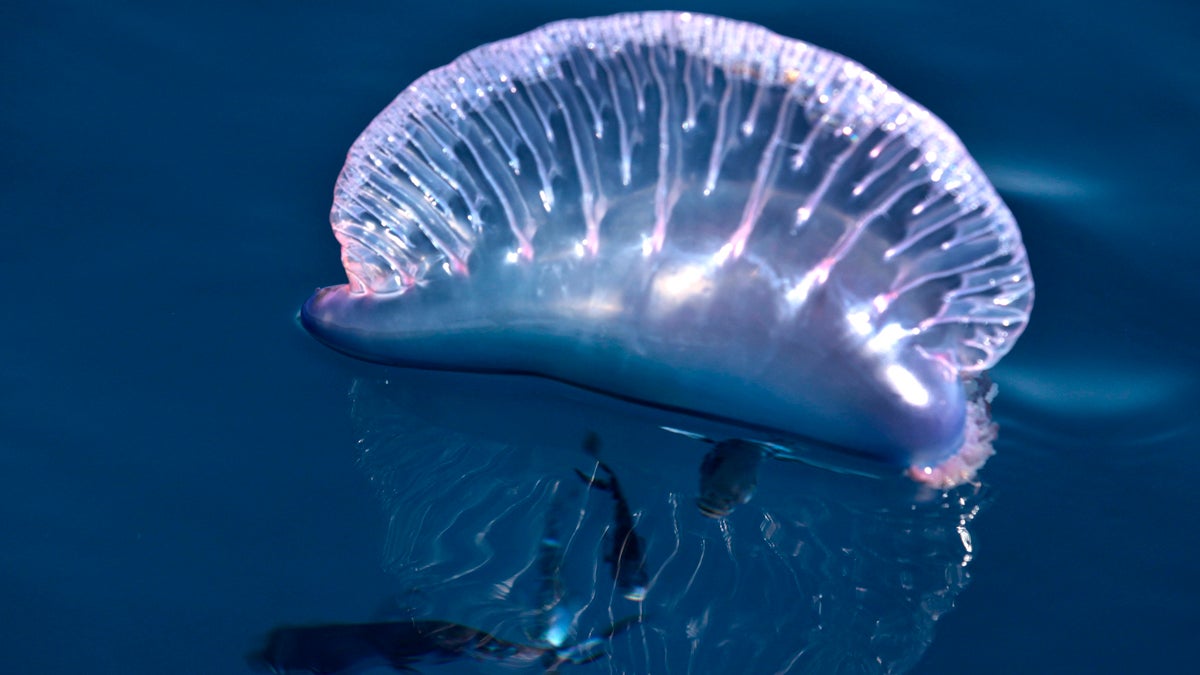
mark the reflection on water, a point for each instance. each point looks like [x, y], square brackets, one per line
[488, 525]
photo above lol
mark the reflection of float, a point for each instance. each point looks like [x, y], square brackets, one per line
[826, 569]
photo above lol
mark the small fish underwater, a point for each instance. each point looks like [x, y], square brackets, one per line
[726, 253]
[728, 476]
[627, 556]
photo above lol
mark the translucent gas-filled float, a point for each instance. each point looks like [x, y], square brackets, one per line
[693, 213]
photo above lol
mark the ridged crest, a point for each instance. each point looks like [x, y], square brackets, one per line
[678, 132]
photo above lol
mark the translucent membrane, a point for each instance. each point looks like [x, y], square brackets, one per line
[692, 212]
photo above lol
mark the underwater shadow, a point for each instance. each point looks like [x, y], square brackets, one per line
[533, 524]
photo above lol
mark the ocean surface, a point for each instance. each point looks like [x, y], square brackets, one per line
[183, 468]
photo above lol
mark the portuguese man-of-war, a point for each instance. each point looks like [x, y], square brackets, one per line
[690, 212]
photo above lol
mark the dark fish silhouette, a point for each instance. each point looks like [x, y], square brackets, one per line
[729, 471]
[627, 556]
[728, 476]
[347, 648]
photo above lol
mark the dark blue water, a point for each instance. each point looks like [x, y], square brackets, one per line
[178, 459]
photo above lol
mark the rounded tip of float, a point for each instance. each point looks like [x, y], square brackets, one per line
[978, 435]
[323, 315]
[306, 316]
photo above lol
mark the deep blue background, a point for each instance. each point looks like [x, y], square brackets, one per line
[176, 469]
